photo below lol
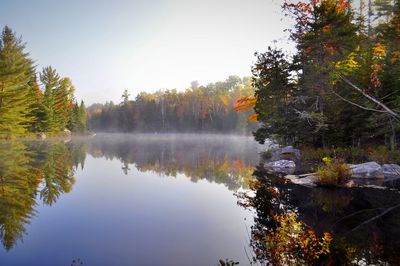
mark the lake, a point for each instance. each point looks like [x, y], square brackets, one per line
[126, 200]
[166, 199]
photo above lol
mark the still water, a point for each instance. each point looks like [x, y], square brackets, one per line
[125, 200]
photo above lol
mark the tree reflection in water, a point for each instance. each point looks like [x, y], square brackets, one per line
[30, 172]
[220, 159]
[364, 224]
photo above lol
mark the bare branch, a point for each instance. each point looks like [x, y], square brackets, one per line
[374, 218]
[387, 109]
[359, 106]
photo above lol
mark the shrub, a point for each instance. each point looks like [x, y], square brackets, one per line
[293, 243]
[333, 172]
[383, 154]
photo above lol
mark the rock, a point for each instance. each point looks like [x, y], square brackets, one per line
[280, 166]
[307, 180]
[391, 170]
[366, 170]
[66, 133]
[290, 153]
[349, 184]
[286, 153]
[41, 135]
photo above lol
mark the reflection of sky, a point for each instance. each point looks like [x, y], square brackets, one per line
[114, 219]
[107, 46]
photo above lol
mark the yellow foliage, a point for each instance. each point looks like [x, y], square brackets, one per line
[332, 173]
[224, 99]
[292, 243]
[379, 51]
[347, 65]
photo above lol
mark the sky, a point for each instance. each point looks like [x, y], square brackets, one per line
[108, 46]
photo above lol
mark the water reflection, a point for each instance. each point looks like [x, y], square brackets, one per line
[31, 173]
[38, 173]
[224, 160]
[364, 223]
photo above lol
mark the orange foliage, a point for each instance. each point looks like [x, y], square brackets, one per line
[293, 243]
[327, 28]
[39, 177]
[395, 57]
[238, 165]
[330, 48]
[245, 104]
[379, 50]
[342, 5]
[375, 81]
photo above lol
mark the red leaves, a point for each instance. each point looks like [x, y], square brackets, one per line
[342, 5]
[374, 78]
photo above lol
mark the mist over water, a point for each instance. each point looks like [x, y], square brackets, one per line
[126, 199]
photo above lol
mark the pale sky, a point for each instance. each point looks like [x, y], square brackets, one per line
[106, 47]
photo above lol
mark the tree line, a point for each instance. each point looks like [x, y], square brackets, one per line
[341, 86]
[207, 108]
[34, 102]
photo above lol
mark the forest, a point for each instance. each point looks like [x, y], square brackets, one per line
[341, 86]
[199, 108]
[31, 101]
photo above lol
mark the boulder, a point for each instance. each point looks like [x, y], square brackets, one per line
[41, 135]
[281, 166]
[290, 153]
[286, 153]
[391, 170]
[307, 180]
[366, 170]
[66, 133]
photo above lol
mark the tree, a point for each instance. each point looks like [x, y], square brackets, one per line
[125, 97]
[16, 73]
[77, 122]
[63, 102]
[51, 82]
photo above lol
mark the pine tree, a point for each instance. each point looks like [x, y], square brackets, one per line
[77, 122]
[51, 82]
[16, 73]
[82, 117]
[63, 102]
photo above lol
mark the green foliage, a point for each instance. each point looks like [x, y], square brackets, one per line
[77, 122]
[383, 154]
[380, 154]
[26, 171]
[16, 74]
[304, 99]
[333, 172]
[25, 106]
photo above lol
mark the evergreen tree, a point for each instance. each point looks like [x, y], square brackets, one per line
[77, 122]
[63, 102]
[50, 80]
[16, 73]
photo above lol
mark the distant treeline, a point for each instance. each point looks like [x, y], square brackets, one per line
[199, 108]
[31, 105]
